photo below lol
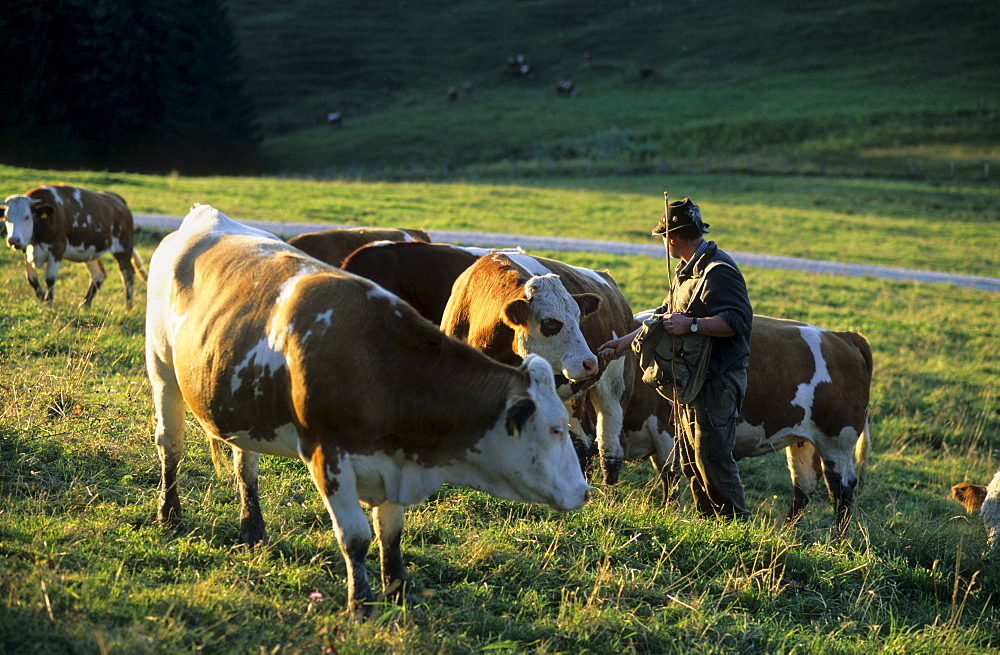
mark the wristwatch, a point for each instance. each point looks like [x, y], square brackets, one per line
[694, 325]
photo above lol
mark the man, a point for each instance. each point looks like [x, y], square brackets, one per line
[708, 296]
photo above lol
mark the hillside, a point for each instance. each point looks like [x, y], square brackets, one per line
[901, 78]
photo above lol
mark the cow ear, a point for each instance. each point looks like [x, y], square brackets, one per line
[517, 312]
[588, 302]
[518, 414]
[43, 211]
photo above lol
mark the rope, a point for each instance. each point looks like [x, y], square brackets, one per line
[673, 373]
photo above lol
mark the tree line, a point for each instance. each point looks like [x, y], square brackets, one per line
[140, 85]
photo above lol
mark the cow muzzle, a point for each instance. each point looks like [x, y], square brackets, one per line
[15, 243]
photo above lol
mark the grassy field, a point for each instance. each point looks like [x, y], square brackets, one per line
[897, 83]
[906, 223]
[85, 568]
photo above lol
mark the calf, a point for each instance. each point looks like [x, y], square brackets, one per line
[500, 305]
[275, 352]
[807, 392]
[985, 500]
[333, 246]
[52, 223]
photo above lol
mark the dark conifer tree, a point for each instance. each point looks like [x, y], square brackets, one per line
[148, 85]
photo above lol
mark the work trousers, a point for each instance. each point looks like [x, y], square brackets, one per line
[705, 446]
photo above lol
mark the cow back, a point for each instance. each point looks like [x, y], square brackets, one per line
[420, 273]
[333, 246]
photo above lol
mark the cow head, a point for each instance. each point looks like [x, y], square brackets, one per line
[19, 215]
[528, 456]
[547, 322]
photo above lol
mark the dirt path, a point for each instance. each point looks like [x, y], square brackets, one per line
[497, 240]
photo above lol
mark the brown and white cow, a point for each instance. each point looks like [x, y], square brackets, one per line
[984, 499]
[509, 305]
[333, 246]
[52, 223]
[277, 353]
[808, 392]
[420, 273]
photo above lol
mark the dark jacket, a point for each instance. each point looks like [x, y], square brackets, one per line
[724, 293]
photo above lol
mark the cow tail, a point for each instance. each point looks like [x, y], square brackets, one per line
[863, 445]
[218, 456]
[861, 448]
[138, 265]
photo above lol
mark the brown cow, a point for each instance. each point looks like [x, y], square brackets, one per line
[494, 307]
[333, 246]
[984, 499]
[52, 223]
[275, 352]
[807, 391]
[420, 273]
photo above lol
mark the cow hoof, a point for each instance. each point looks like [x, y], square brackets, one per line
[252, 534]
[612, 469]
[364, 611]
[173, 525]
[398, 592]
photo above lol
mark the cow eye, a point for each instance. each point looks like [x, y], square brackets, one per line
[557, 432]
[551, 326]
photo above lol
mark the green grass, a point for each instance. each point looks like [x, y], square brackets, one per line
[85, 568]
[951, 227]
[819, 82]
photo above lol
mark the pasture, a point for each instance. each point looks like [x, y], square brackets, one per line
[85, 567]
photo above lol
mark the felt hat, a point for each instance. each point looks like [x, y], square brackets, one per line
[679, 214]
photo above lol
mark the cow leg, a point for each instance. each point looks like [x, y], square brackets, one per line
[32, 275]
[667, 466]
[168, 408]
[583, 445]
[607, 397]
[388, 520]
[124, 260]
[51, 272]
[97, 275]
[246, 464]
[805, 468]
[337, 484]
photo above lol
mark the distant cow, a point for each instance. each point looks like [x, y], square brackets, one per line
[277, 353]
[333, 246]
[566, 88]
[420, 273]
[807, 391]
[52, 223]
[500, 305]
[985, 500]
